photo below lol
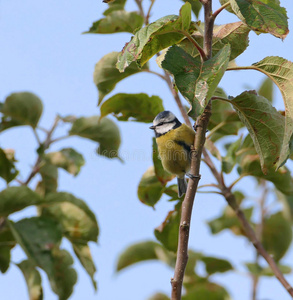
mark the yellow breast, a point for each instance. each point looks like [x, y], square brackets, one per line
[174, 149]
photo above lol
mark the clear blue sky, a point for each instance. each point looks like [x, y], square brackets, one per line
[43, 51]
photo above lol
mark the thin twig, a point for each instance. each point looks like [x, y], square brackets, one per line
[220, 9]
[46, 144]
[155, 73]
[236, 181]
[217, 127]
[36, 136]
[196, 45]
[60, 138]
[141, 11]
[258, 232]
[208, 185]
[147, 17]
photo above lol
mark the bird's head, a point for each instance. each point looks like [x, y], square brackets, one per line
[164, 122]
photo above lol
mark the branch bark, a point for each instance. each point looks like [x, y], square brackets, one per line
[186, 210]
[201, 128]
[253, 238]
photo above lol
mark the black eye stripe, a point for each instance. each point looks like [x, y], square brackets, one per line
[162, 123]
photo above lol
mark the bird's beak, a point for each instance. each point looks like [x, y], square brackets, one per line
[153, 127]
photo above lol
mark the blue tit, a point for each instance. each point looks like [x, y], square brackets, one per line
[174, 141]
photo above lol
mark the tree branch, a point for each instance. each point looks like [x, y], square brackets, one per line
[256, 243]
[230, 198]
[45, 145]
[186, 211]
[208, 27]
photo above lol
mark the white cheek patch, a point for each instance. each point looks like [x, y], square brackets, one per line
[164, 128]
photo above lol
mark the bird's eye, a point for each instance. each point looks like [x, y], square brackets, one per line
[161, 123]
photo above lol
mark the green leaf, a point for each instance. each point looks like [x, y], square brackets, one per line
[7, 168]
[193, 257]
[67, 159]
[262, 16]
[224, 120]
[106, 75]
[216, 265]
[254, 269]
[185, 14]
[114, 5]
[206, 290]
[162, 175]
[172, 191]
[40, 238]
[136, 107]
[266, 89]
[229, 161]
[151, 39]
[275, 243]
[49, 182]
[21, 109]
[167, 233]
[234, 34]
[196, 81]
[283, 268]
[104, 131]
[144, 251]
[195, 6]
[118, 21]
[159, 296]
[150, 189]
[280, 71]
[287, 203]
[228, 220]
[83, 253]
[249, 164]
[265, 125]
[209, 145]
[16, 198]
[33, 279]
[78, 222]
[257, 270]
[7, 242]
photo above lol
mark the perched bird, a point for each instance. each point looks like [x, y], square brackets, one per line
[174, 141]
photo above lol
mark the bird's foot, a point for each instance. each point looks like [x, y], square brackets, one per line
[191, 176]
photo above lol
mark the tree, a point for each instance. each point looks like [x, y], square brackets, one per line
[197, 64]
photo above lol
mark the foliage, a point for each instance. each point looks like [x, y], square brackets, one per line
[60, 215]
[261, 151]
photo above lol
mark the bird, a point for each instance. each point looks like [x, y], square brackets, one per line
[174, 141]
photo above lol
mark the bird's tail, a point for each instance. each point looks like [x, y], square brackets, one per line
[182, 186]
